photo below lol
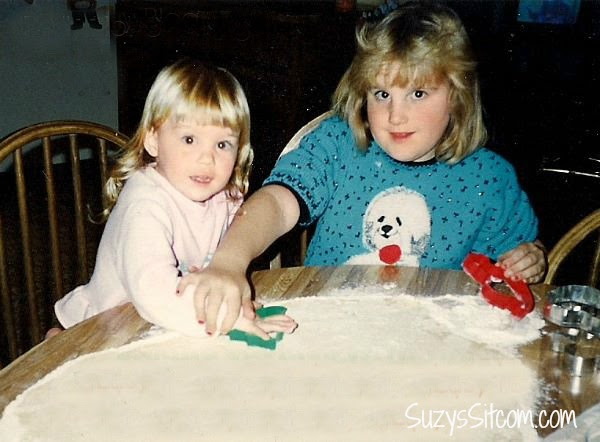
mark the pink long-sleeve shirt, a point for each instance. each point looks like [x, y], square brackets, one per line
[153, 235]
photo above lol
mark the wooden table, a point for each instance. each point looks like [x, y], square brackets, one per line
[122, 324]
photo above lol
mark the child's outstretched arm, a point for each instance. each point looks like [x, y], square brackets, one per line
[269, 213]
[526, 262]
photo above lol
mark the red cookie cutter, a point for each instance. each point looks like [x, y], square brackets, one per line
[482, 270]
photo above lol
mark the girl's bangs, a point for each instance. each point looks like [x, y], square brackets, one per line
[402, 73]
[210, 112]
[425, 75]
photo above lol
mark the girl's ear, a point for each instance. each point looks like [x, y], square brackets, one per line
[151, 143]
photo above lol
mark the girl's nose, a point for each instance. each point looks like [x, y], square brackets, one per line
[205, 155]
[398, 114]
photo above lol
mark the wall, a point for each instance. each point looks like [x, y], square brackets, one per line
[49, 71]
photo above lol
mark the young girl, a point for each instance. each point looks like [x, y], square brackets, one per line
[179, 183]
[397, 176]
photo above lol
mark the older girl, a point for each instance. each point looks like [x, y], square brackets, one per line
[398, 175]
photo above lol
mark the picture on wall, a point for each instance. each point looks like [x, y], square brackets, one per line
[559, 12]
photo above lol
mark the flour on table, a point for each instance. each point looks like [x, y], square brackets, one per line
[360, 367]
[473, 318]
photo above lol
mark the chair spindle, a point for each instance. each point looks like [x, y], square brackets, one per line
[103, 164]
[53, 220]
[26, 243]
[79, 215]
[7, 310]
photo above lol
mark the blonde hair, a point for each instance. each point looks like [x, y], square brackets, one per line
[188, 88]
[429, 44]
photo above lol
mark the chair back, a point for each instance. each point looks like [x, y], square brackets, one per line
[52, 176]
[587, 227]
[276, 262]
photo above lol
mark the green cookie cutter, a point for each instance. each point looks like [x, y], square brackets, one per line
[256, 341]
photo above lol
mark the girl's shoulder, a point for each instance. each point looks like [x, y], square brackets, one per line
[330, 127]
[487, 160]
[323, 137]
[147, 188]
[338, 124]
[140, 200]
[142, 184]
[332, 134]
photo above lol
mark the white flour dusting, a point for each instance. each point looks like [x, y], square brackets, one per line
[470, 317]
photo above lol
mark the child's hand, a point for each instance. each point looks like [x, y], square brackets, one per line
[526, 262]
[214, 287]
[261, 327]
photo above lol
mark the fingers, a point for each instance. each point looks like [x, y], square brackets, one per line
[182, 285]
[233, 305]
[200, 296]
[213, 303]
[249, 307]
[535, 272]
[218, 292]
[191, 279]
[256, 330]
[535, 278]
[262, 327]
[514, 268]
[526, 262]
[279, 323]
[513, 256]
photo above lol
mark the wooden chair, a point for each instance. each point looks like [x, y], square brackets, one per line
[565, 246]
[276, 262]
[52, 175]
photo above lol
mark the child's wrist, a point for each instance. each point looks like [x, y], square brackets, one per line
[234, 263]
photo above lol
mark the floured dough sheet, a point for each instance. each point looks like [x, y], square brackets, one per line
[358, 368]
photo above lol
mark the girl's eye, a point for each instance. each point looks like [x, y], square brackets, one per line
[419, 94]
[188, 140]
[223, 144]
[381, 95]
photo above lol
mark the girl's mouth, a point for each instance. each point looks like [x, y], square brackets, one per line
[400, 136]
[201, 179]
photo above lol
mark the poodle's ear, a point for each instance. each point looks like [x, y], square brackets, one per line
[419, 245]
[368, 228]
